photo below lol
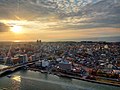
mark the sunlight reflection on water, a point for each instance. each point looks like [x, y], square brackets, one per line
[16, 80]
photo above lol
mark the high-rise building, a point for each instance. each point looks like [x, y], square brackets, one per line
[23, 58]
[8, 61]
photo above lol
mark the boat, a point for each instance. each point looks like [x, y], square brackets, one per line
[9, 76]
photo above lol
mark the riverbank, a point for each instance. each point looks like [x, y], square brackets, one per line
[31, 80]
[98, 80]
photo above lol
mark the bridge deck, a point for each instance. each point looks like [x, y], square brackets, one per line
[12, 68]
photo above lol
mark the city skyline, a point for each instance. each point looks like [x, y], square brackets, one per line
[59, 20]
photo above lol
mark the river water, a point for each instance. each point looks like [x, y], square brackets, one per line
[30, 80]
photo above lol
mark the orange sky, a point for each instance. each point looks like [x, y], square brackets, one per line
[29, 21]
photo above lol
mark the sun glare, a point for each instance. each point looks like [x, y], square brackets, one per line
[16, 29]
[17, 41]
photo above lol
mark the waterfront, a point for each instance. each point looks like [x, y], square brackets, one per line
[97, 61]
[30, 80]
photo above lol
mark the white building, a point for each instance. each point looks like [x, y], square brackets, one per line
[45, 63]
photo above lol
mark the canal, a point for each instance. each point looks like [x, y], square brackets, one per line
[31, 80]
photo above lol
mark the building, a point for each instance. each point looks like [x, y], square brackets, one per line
[8, 61]
[32, 58]
[1, 59]
[64, 66]
[15, 60]
[45, 63]
[38, 63]
[23, 58]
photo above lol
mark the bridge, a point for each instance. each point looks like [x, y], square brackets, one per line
[13, 68]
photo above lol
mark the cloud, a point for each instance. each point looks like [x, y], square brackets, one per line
[105, 13]
[4, 27]
[96, 13]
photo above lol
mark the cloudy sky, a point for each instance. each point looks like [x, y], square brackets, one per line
[60, 20]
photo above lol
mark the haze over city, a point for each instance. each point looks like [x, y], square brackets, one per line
[59, 20]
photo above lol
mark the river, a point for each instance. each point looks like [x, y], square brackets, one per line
[31, 80]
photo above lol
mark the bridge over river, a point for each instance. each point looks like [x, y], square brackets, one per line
[4, 68]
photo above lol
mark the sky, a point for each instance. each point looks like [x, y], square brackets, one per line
[59, 20]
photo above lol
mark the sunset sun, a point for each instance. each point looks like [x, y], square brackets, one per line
[16, 29]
